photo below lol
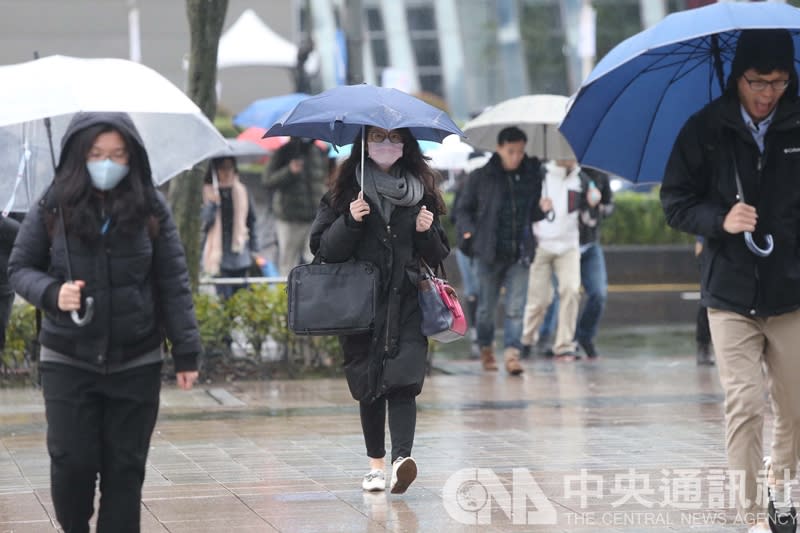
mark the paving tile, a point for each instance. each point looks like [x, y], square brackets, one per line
[288, 456]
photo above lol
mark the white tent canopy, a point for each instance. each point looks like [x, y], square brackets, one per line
[249, 41]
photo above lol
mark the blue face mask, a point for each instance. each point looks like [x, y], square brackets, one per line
[106, 174]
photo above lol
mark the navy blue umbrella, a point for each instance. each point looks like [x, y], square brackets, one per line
[337, 115]
[265, 112]
[626, 116]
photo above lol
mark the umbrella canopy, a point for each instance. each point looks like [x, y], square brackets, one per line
[626, 116]
[538, 115]
[452, 154]
[243, 149]
[271, 144]
[338, 114]
[266, 111]
[175, 132]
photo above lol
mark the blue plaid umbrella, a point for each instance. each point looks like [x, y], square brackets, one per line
[626, 116]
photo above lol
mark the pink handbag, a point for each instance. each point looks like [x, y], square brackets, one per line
[443, 319]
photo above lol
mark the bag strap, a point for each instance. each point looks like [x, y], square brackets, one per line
[432, 271]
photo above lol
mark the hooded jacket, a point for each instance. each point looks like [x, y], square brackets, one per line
[394, 355]
[139, 283]
[699, 189]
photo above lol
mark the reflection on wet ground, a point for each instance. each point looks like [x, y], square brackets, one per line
[631, 442]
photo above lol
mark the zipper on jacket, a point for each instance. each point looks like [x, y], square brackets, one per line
[513, 213]
[389, 306]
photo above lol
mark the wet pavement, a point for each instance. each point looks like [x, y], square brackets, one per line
[630, 442]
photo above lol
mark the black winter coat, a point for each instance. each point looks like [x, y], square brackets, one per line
[478, 208]
[394, 355]
[699, 189]
[140, 286]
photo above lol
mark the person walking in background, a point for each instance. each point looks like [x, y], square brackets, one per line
[594, 278]
[593, 269]
[103, 232]
[734, 169]
[702, 333]
[228, 225]
[394, 222]
[493, 217]
[296, 175]
[557, 252]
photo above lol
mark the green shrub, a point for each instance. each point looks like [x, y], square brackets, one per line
[639, 219]
[214, 322]
[20, 338]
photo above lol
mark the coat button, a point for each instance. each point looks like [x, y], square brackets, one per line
[752, 312]
[101, 358]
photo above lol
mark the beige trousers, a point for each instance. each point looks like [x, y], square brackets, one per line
[754, 353]
[567, 268]
[292, 244]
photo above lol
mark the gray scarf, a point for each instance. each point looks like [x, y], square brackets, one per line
[388, 190]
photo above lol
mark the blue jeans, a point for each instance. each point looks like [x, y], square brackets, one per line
[466, 267]
[491, 277]
[595, 285]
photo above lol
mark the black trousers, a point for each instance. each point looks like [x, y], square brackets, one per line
[702, 333]
[402, 423]
[99, 425]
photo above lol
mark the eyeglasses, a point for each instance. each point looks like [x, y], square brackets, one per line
[378, 136]
[760, 85]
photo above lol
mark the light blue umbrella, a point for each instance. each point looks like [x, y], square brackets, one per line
[265, 112]
[337, 115]
[626, 116]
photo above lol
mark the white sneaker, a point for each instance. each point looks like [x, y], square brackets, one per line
[404, 472]
[375, 480]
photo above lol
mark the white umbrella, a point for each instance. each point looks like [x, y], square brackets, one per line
[452, 154]
[175, 132]
[538, 115]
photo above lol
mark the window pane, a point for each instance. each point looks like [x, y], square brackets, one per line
[421, 18]
[374, 19]
[380, 54]
[431, 83]
[426, 52]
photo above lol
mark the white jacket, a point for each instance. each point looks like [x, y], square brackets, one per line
[562, 233]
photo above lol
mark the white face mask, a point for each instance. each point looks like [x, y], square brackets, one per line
[106, 174]
[385, 153]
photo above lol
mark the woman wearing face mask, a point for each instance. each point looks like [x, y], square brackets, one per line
[102, 231]
[392, 223]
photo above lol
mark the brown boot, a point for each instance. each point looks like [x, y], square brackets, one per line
[513, 365]
[487, 358]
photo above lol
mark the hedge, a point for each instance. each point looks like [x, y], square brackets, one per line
[637, 219]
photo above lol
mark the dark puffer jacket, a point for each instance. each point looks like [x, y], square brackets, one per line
[699, 189]
[139, 282]
[394, 355]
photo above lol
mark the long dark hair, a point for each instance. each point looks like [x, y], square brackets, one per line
[412, 162]
[128, 204]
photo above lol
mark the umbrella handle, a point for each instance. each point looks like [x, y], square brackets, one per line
[753, 247]
[81, 321]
